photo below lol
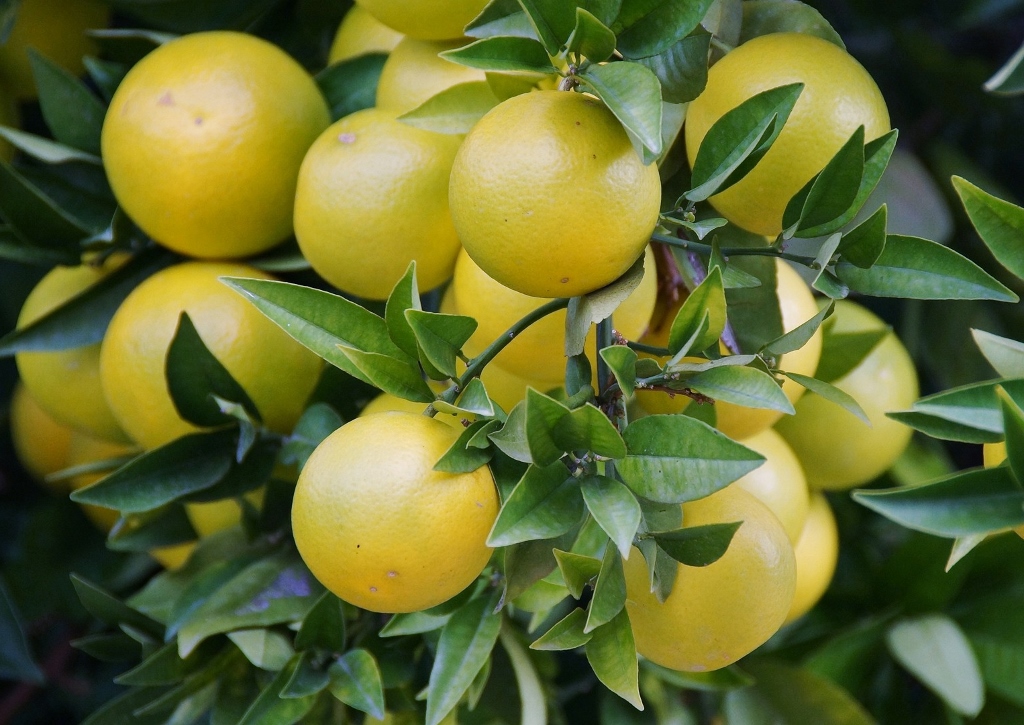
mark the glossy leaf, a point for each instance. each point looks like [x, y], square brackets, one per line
[799, 335]
[552, 21]
[504, 18]
[73, 114]
[609, 592]
[615, 509]
[392, 375]
[621, 361]
[511, 438]
[708, 298]
[264, 648]
[45, 150]
[270, 706]
[323, 626]
[405, 295]
[505, 54]
[632, 92]
[674, 459]
[830, 193]
[109, 609]
[351, 85]
[591, 38]
[762, 17]
[566, 634]
[545, 503]
[164, 527]
[915, 268]
[462, 456]
[440, 337]
[543, 414]
[682, 68]
[831, 394]
[1006, 356]
[999, 223]
[577, 570]
[972, 502]
[356, 681]
[611, 652]
[935, 650]
[746, 386]
[588, 429]
[976, 405]
[648, 27]
[465, 646]
[698, 545]
[864, 244]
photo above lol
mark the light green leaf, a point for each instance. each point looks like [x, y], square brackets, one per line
[588, 429]
[1008, 80]
[999, 223]
[501, 18]
[577, 570]
[591, 38]
[545, 503]
[632, 92]
[392, 375]
[566, 634]
[615, 509]
[708, 298]
[621, 360]
[404, 296]
[542, 416]
[356, 681]
[264, 648]
[609, 592]
[831, 394]
[799, 335]
[744, 386]
[511, 439]
[47, 151]
[522, 55]
[698, 545]
[599, 305]
[611, 652]
[1006, 356]
[440, 337]
[531, 692]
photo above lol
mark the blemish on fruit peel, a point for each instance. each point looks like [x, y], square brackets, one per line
[392, 574]
[347, 138]
[166, 99]
[373, 589]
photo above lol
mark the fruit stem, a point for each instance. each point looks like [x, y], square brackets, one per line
[477, 364]
[705, 250]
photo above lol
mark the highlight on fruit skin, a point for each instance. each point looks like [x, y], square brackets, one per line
[817, 553]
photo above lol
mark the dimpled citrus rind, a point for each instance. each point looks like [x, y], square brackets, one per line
[203, 141]
[426, 19]
[373, 196]
[379, 527]
[817, 552]
[838, 96]
[276, 372]
[836, 449]
[548, 196]
[413, 73]
[539, 352]
[718, 613]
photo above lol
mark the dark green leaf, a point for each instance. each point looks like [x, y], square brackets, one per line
[976, 405]
[404, 296]
[527, 563]
[611, 651]
[109, 609]
[511, 439]
[323, 626]
[116, 647]
[999, 223]
[746, 386]
[317, 422]
[122, 709]
[306, 679]
[506, 54]
[943, 429]
[609, 591]
[427, 620]
[552, 20]
[682, 68]
[916, 268]
[739, 139]
[35, 216]
[465, 646]
[271, 707]
[73, 114]
[565, 634]
[615, 509]
[727, 678]
[472, 401]
[698, 545]
[762, 17]
[832, 192]
[501, 18]
[632, 92]
[588, 429]
[185, 465]
[647, 27]
[16, 661]
[545, 503]
[604, 10]
[936, 651]
[707, 299]
[863, 245]
[674, 459]
[971, 502]
[754, 312]
[164, 527]
[462, 457]
[1013, 429]
[1008, 80]
[577, 570]
[106, 74]
[591, 38]
[351, 85]
[830, 393]
[1006, 356]
[392, 375]
[842, 352]
[47, 151]
[542, 416]
[356, 681]
[440, 337]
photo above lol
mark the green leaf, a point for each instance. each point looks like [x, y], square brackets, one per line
[588, 429]
[195, 376]
[271, 707]
[527, 563]
[45, 150]
[531, 691]
[609, 592]
[404, 296]
[501, 18]
[566, 634]
[674, 459]
[762, 17]
[109, 609]
[351, 85]
[698, 545]
[1005, 356]
[454, 110]
[543, 414]
[472, 401]
[682, 68]
[356, 681]
[552, 20]
[830, 193]
[936, 651]
[323, 626]
[915, 268]
[632, 92]
[611, 652]
[122, 709]
[1001, 665]
[264, 648]
[73, 114]
[105, 74]
[943, 429]
[648, 27]
[976, 406]
[163, 527]
[545, 503]
[831, 394]
[1013, 428]
[392, 375]
[506, 54]
[604, 10]
[83, 319]
[591, 38]
[1008, 80]
[306, 679]
[440, 337]
[577, 570]
[36, 217]
[999, 223]
[971, 502]
[465, 646]
[427, 620]
[317, 422]
[118, 647]
[726, 678]
[744, 386]
[842, 352]
[799, 335]
[708, 298]
[16, 661]
[864, 244]
[511, 439]
[615, 509]
[739, 139]
[597, 306]
[621, 360]
[192, 463]
[462, 456]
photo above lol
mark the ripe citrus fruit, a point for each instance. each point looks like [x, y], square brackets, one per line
[779, 482]
[539, 352]
[209, 518]
[817, 552]
[994, 454]
[66, 383]
[55, 29]
[85, 450]
[372, 196]
[379, 527]
[796, 305]
[549, 197]
[836, 449]
[386, 402]
[41, 443]
[203, 140]
[361, 33]
[277, 373]
[838, 96]
[173, 557]
[428, 19]
[721, 612]
[414, 73]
